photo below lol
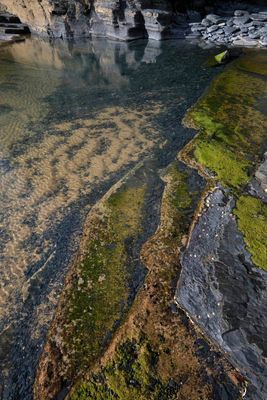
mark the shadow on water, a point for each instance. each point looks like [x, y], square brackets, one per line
[75, 118]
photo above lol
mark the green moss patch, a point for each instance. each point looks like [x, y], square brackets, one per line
[97, 296]
[232, 128]
[252, 221]
[131, 375]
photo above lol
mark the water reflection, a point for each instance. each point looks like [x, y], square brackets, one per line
[74, 119]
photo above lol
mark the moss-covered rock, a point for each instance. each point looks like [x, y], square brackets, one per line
[97, 291]
[232, 139]
[231, 125]
[252, 221]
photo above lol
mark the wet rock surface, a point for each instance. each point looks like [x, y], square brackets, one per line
[224, 293]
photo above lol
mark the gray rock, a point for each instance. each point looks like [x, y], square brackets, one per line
[197, 29]
[241, 20]
[229, 30]
[245, 41]
[212, 28]
[263, 41]
[261, 174]
[263, 30]
[258, 17]
[241, 13]
[215, 19]
[254, 35]
[224, 293]
[230, 22]
[258, 23]
[206, 22]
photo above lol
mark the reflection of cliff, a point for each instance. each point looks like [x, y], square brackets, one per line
[124, 20]
[40, 68]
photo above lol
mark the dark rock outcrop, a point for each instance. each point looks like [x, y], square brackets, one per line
[215, 262]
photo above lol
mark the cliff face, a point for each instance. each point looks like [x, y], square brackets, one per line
[114, 18]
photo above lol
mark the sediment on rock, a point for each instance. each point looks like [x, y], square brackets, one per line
[223, 280]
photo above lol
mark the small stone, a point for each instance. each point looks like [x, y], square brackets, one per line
[258, 23]
[206, 22]
[102, 278]
[215, 19]
[239, 21]
[263, 41]
[229, 30]
[258, 17]
[240, 13]
[254, 35]
[212, 28]
[263, 29]
[80, 281]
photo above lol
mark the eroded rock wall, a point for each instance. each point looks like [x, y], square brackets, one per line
[119, 19]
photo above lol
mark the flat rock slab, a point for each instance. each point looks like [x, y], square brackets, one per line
[224, 293]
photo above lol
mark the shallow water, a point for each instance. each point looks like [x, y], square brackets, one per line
[74, 118]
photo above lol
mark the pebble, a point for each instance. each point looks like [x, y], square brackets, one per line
[212, 28]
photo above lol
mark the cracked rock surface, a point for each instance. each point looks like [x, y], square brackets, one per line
[215, 262]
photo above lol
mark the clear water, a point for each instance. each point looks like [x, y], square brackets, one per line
[74, 118]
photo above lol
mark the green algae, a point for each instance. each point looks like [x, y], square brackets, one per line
[131, 375]
[231, 128]
[99, 294]
[252, 221]
[228, 166]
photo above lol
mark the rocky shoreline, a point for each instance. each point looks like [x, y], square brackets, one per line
[144, 19]
[241, 29]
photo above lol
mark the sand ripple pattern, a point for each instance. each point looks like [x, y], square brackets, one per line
[50, 176]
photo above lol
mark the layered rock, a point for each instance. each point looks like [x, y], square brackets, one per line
[117, 19]
[243, 28]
